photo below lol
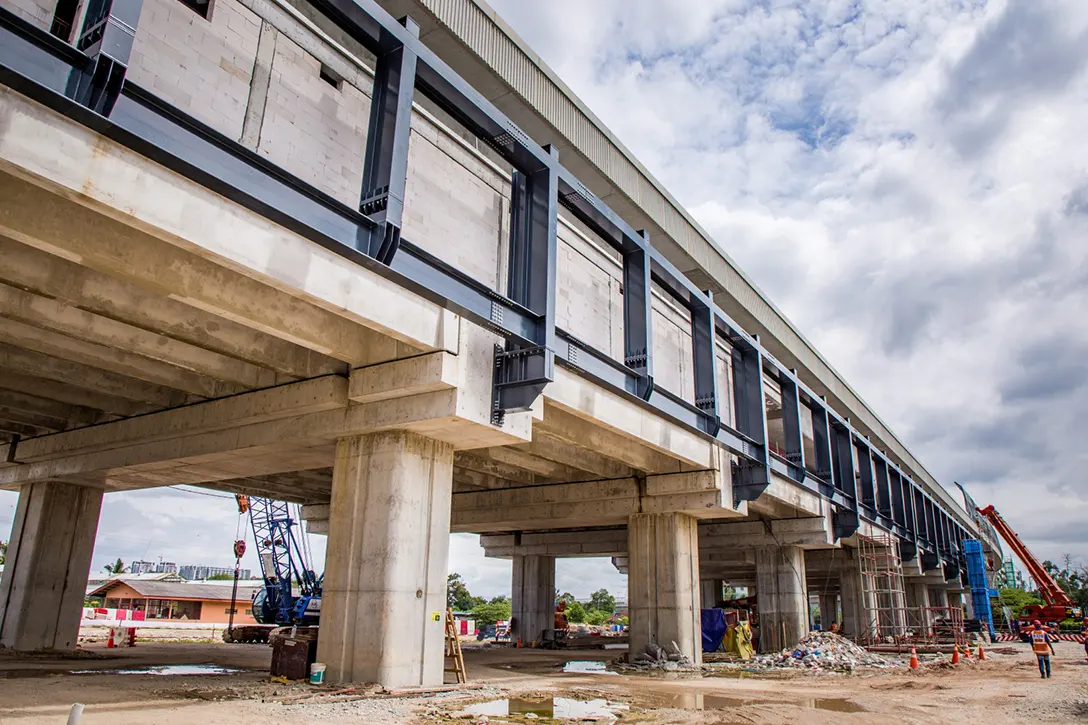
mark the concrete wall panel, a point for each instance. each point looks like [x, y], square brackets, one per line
[313, 129]
[203, 67]
[38, 12]
[589, 297]
[672, 348]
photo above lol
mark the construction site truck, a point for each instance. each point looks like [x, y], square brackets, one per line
[1058, 606]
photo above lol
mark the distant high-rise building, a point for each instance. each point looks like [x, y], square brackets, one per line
[166, 567]
[141, 567]
[197, 572]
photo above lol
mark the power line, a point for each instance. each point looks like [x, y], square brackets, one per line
[201, 493]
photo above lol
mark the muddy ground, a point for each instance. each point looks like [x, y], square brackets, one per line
[1006, 689]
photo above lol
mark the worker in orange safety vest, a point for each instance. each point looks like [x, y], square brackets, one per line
[1043, 646]
[1084, 636]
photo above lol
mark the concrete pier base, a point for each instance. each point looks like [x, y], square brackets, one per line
[47, 565]
[829, 610]
[782, 602]
[662, 584]
[533, 600]
[385, 572]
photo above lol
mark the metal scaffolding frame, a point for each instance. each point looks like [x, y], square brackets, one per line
[884, 613]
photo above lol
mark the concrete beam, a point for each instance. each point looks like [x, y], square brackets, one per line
[567, 544]
[71, 394]
[550, 469]
[322, 300]
[108, 297]
[426, 373]
[806, 533]
[487, 471]
[35, 364]
[597, 464]
[114, 360]
[577, 431]
[75, 415]
[70, 322]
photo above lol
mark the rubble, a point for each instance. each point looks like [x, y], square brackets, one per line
[668, 659]
[822, 651]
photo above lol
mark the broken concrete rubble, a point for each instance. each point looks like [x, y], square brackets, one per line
[820, 651]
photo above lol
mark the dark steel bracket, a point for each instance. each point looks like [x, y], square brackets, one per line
[107, 36]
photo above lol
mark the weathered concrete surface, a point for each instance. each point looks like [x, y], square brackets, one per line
[781, 596]
[533, 598]
[47, 565]
[385, 572]
[663, 582]
[829, 609]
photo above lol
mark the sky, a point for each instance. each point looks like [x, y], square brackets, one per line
[907, 180]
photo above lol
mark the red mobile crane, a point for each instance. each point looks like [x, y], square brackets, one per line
[1058, 604]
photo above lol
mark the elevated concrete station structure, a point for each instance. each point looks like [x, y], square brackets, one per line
[394, 271]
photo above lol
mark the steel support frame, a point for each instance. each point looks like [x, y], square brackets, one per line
[44, 68]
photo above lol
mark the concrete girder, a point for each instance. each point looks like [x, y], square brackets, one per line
[108, 297]
[22, 429]
[580, 432]
[37, 420]
[596, 464]
[34, 364]
[805, 533]
[577, 543]
[71, 322]
[487, 471]
[71, 394]
[115, 360]
[550, 469]
[74, 415]
[235, 263]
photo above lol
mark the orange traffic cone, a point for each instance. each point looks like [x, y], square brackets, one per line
[914, 659]
[131, 636]
[981, 653]
[110, 644]
[956, 655]
[967, 652]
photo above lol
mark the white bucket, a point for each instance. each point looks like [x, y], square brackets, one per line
[317, 673]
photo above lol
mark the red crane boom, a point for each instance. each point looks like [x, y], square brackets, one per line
[1057, 600]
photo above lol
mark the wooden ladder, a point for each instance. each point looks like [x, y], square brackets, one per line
[453, 648]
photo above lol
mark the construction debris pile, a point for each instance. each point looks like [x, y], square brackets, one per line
[822, 651]
[668, 658]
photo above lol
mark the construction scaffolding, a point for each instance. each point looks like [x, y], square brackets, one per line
[884, 612]
[887, 618]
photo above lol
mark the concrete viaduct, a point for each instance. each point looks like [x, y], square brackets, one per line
[374, 258]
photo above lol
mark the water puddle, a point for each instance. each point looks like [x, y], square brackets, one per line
[558, 708]
[587, 667]
[703, 701]
[164, 671]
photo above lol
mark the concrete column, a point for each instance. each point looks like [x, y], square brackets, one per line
[938, 597]
[710, 592]
[829, 610]
[917, 600]
[782, 601]
[855, 621]
[662, 583]
[533, 601]
[47, 565]
[955, 601]
[384, 599]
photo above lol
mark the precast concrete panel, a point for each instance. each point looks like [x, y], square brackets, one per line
[673, 365]
[313, 128]
[37, 12]
[202, 66]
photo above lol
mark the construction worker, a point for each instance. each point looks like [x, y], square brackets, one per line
[1043, 646]
[1084, 636]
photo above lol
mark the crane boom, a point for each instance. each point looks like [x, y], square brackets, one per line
[1052, 593]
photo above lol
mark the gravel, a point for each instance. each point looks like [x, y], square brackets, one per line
[820, 651]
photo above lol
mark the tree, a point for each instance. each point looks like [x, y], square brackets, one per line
[576, 613]
[598, 616]
[1017, 599]
[565, 597]
[221, 577]
[458, 596]
[117, 567]
[602, 601]
[3, 551]
[491, 612]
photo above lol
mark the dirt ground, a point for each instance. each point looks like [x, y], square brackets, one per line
[1006, 689]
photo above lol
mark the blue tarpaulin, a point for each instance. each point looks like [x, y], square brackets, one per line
[713, 629]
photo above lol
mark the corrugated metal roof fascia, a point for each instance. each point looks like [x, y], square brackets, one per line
[480, 28]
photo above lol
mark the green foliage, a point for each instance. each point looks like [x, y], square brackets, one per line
[221, 577]
[565, 597]
[625, 621]
[491, 612]
[597, 617]
[458, 596]
[117, 567]
[1017, 599]
[602, 601]
[3, 551]
[501, 599]
[576, 613]
[730, 594]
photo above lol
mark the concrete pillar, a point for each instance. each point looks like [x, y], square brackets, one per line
[938, 597]
[829, 610]
[384, 597]
[662, 583]
[782, 601]
[917, 601]
[955, 601]
[710, 592]
[855, 621]
[533, 601]
[47, 565]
